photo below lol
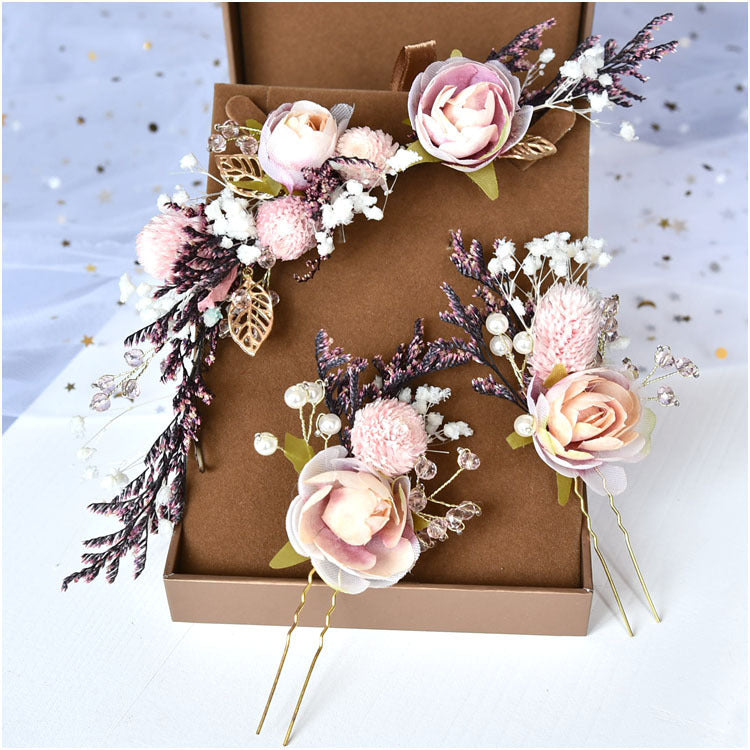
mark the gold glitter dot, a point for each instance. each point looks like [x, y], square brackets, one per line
[147, 45]
[87, 340]
[722, 353]
[93, 56]
[91, 268]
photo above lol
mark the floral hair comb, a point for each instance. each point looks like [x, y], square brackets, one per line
[358, 517]
[544, 334]
[290, 183]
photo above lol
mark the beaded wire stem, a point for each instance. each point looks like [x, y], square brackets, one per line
[295, 622]
[599, 554]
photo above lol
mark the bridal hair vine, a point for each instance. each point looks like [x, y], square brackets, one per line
[289, 184]
[544, 334]
[362, 515]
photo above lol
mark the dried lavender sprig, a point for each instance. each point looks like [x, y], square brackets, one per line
[514, 55]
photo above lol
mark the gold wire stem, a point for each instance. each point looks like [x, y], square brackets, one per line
[312, 666]
[295, 621]
[601, 556]
[630, 548]
[445, 484]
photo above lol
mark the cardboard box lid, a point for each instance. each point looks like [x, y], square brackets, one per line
[367, 296]
[354, 45]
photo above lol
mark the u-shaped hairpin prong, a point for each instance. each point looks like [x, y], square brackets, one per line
[295, 622]
[601, 556]
[630, 548]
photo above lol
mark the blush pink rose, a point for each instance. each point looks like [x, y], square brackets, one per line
[354, 525]
[300, 135]
[587, 424]
[466, 113]
[389, 436]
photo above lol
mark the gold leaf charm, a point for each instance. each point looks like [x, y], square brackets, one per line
[250, 316]
[236, 169]
[531, 148]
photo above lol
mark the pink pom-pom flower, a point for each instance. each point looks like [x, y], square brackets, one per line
[285, 227]
[389, 436]
[364, 143]
[161, 241]
[567, 323]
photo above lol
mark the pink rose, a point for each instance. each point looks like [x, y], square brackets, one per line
[299, 135]
[586, 423]
[466, 113]
[389, 436]
[354, 525]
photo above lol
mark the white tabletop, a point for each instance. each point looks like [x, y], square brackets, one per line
[104, 665]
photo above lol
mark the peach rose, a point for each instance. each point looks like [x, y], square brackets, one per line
[587, 423]
[354, 525]
[300, 135]
[466, 113]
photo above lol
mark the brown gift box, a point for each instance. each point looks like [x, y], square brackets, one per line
[524, 566]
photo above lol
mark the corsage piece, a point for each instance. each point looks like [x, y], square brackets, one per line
[362, 514]
[544, 334]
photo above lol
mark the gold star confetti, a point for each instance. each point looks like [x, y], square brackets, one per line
[664, 223]
[91, 268]
[93, 56]
[87, 340]
[722, 353]
[147, 45]
[104, 196]
[70, 387]
[679, 226]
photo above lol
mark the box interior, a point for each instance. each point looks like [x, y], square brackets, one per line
[367, 296]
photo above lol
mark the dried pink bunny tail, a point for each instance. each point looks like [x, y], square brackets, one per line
[374, 146]
[567, 322]
[388, 436]
[160, 242]
[285, 227]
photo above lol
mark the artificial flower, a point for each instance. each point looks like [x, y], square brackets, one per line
[588, 423]
[389, 436]
[353, 525]
[466, 113]
[299, 135]
[161, 241]
[285, 227]
[374, 146]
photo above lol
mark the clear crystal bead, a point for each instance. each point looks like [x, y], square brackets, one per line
[666, 396]
[247, 145]
[633, 371]
[417, 499]
[133, 357]
[266, 259]
[131, 389]
[611, 306]
[687, 368]
[424, 541]
[425, 469]
[663, 356]
[223, 328]
[106, 384]
[100, 402]
[230, 129]
[468, 460]
[241, 298]
[438, 529]
[275, 299]
[455, 520]
[469, 509]
[217, 143]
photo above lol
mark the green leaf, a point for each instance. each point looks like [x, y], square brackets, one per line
[486, 179]
[516, 441]
[406, 121]
[563, 489]
[254, 124]
[417, 148]
[265, 185]
[558, 373]
[286, 557]
[419, 522]
[298, 451]
[456, 53]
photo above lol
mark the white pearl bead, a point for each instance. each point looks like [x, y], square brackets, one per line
[315, 392]
[523, 343]
[295, 397]
[496, 323]
[265, 443]
[524, 425]
[329, 424]
[500, 345]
